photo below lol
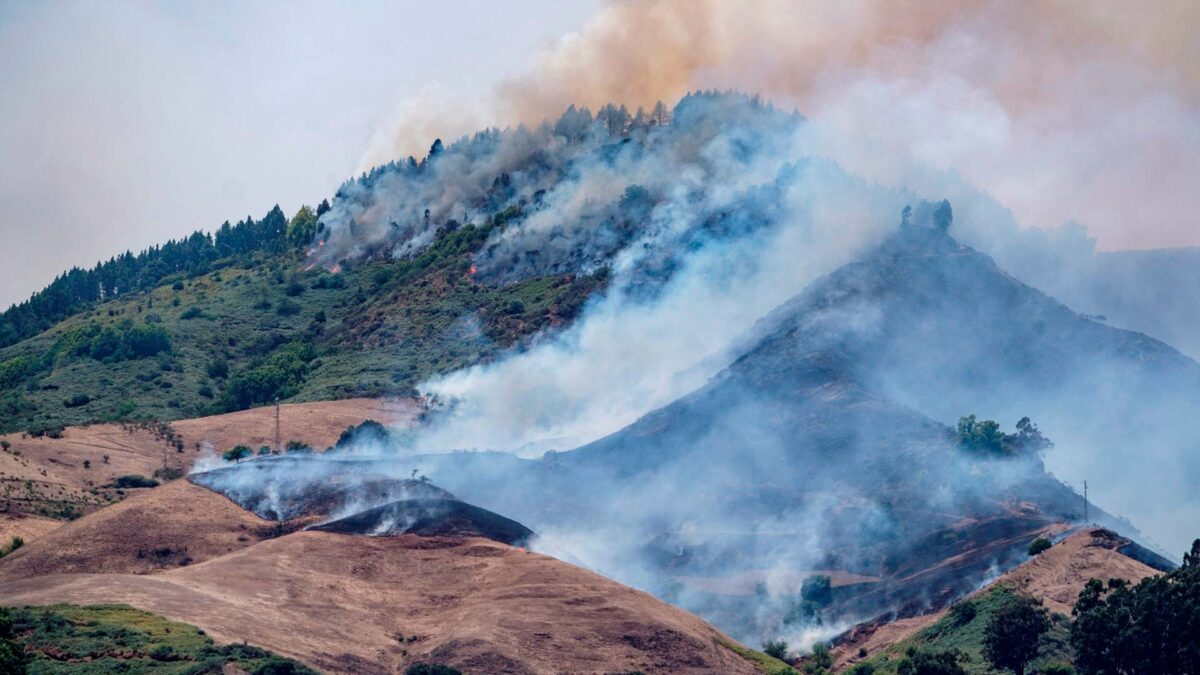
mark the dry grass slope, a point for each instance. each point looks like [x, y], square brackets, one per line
[353, 604]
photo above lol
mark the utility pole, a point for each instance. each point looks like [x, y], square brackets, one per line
[277, 436]
[1085, 504]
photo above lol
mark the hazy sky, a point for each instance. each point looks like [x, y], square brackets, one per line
[124, 124]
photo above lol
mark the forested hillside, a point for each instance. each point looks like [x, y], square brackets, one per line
[415, 268]
[225, 322]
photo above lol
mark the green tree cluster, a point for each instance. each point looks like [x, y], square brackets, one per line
[1013, 634]
[12, 654]
[1151, 627]
[1039, 546]
[79, 289]
[276, 377]
[984, 437]
[776, 648]
[124, 342]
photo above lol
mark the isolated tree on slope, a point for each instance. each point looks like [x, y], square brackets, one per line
[1012, 635]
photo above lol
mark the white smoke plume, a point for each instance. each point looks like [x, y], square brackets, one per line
[1028, 102]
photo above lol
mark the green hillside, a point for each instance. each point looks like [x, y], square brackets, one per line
[962, 629]
[68, 639]
[245, 329]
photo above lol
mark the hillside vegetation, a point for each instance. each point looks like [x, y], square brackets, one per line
[232, 332]
[962, 629]
[68, 639]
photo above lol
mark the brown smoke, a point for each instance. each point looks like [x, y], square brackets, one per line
[1069, 109]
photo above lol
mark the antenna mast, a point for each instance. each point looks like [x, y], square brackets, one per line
[277, 436]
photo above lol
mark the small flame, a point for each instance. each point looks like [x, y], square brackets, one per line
[336, 268]
[471, 272]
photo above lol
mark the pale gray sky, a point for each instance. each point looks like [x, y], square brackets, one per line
[123, 124]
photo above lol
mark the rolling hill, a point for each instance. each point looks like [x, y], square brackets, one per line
[266, 325]
[359, 604]
[823, 445]
[1055, 577]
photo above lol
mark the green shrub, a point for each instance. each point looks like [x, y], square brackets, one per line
[134, 481]
[776, 648]
[963, 612]
[163, 653]
[48, 429]
[287, 308]
[431, 669]
[932, 663]
[218, 368]
[77, 400]
[817, 589]
[15, 370]
[820, 661]
[369, 431]
[237, 454]
[13, 545]
[1038, 545]
[279, 666]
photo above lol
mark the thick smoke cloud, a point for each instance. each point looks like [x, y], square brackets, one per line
[704, 225]
[708, 221]
[1026, 102]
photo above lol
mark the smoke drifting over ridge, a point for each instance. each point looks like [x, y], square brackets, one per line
[703, 225]
[795, 460]
[1026, 101]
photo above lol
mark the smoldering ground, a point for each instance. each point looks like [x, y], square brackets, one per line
[811, 455]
